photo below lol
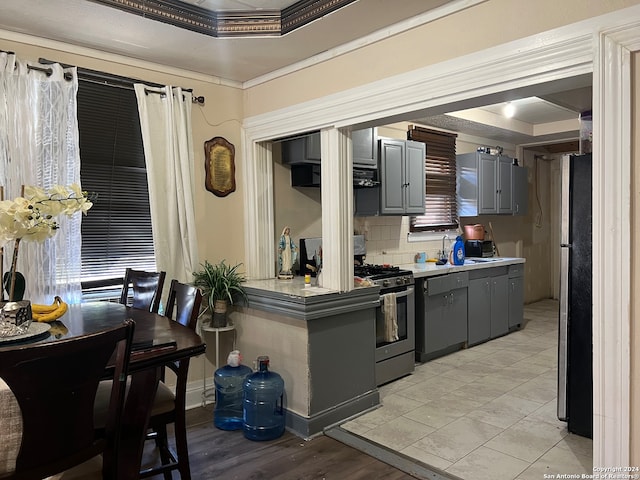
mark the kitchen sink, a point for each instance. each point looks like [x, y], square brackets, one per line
[480, 260]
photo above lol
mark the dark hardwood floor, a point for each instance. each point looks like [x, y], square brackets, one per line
[224, 455]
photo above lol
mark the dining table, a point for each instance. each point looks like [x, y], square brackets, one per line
[157, 340]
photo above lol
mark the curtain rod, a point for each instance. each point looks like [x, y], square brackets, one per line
[116, 80]
[48, 70]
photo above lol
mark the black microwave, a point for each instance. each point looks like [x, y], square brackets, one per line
[478, 248]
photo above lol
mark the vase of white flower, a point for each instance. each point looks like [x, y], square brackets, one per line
[32, 217]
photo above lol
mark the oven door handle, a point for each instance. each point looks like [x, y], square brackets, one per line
[406, 293]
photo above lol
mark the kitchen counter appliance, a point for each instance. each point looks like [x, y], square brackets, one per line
[395, 358]
[478, 248]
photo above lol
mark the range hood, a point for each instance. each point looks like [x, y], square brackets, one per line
[308, 175]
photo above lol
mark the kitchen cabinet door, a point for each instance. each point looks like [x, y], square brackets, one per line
[457, 316]
[479, 321]
[365, 148]
[516, 295]
[402, 177]
[504, 198]
[499, 305]
[415, 181]
[487, 184]
[520, 190]
[392, 171]
[436, 328]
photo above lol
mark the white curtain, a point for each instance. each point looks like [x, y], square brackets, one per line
[39, 146]
[165, 118]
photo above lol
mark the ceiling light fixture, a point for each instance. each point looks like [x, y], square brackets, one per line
[509, 110]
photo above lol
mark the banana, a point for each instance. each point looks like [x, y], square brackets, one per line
[37, 308]
[49, 314]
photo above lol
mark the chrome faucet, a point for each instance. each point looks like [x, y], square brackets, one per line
[444, 251]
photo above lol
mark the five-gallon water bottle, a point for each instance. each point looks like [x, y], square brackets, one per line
[263, 408]
[228, 381]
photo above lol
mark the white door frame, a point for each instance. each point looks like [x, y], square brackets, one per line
[601, 46]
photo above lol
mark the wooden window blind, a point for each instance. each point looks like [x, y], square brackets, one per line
[440, 168]
[116, 232]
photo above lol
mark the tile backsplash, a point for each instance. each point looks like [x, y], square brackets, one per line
[387, 240]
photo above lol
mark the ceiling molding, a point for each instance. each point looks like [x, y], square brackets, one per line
[224, 24]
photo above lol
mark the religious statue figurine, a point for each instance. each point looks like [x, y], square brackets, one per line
[287, 254]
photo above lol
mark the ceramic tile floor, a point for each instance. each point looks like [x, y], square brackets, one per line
[487, 412]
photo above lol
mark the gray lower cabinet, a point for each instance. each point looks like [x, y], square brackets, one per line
[441, 320]
[499, 306]
[479, 316]
[516, 295]
[488, 304]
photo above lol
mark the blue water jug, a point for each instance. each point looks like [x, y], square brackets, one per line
[229, 381]
[263, 408]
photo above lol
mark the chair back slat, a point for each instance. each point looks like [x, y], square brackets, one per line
[146, 289]
[186, 299]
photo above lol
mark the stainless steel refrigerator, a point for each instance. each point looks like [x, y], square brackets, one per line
[575, 372]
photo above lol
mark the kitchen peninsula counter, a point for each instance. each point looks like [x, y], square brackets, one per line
[322, 343]
[292, 298]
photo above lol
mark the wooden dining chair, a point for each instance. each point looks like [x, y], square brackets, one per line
[169, 406]
[55, 386]
[146, 289]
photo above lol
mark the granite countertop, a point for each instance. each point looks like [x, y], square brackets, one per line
[431, 269]
[293, 287]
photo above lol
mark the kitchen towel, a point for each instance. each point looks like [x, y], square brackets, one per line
[390, 317]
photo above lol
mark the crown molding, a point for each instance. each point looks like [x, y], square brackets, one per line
[224, 24]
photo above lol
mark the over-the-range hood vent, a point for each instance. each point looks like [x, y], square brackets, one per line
[309, 176]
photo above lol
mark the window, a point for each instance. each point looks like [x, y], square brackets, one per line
[116, 233]
[440, 167]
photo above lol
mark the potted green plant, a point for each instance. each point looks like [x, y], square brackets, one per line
[221, 286]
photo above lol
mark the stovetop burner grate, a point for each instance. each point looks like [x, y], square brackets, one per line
[378, 271]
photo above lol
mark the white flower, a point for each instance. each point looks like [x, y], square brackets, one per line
[32, 217]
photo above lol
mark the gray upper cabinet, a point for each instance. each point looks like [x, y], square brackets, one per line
[306, 149]
[520, 190]
[302, 150]
[365, 148]
[402, 177]
[485, 185]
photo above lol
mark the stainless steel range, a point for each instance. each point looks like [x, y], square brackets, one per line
[395, 325]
